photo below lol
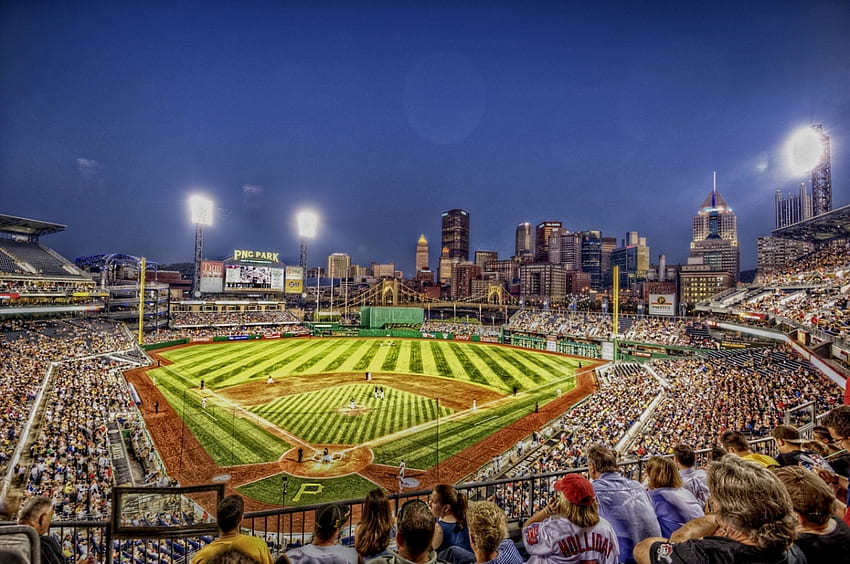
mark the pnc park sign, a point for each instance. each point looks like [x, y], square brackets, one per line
[265, 256]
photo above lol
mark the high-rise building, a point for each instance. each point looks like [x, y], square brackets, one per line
[543, 282]
[632, 258]
[383, 270]
[591, 257]
[775, 252]
[715, 235]
[822, 178]
[462, 276]
[444, 272]
[541, 239]
[483, 258]
[456, 234]
[699, 281]
[524, 242]
[608, 245]
[421, 253]
[338, 265]
[793, 208]
[570, 247]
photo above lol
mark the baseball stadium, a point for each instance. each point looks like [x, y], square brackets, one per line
[137, 416]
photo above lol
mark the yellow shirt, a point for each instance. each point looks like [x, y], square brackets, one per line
[254, 547]
[763, 459]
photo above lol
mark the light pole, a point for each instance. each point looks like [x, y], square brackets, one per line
[307, 223]
[201, 209]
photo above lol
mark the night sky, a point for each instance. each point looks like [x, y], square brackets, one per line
[381, 115]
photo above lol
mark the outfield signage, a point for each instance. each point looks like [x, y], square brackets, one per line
[294, 280]
[212, 276]
[662, 304]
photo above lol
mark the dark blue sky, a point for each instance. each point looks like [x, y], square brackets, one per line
[381, 115]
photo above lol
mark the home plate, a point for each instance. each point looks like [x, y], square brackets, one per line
[409, 482]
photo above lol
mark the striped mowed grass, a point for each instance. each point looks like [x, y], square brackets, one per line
[320, 416]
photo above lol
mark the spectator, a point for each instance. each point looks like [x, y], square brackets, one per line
[788, 443]
[569, 530]
[821, 536]
[325, 548]
[449, 507]
[754, 522]
[488, 535]
[693, 479]
[229, 518]
[838, 423]
[674, 505]
[415, 531]
[622, 502]
[737, 444]
[373, 533]
[37, 513]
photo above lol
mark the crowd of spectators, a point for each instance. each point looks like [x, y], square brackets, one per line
[748, 391]
[642, 329]
[268, 331]
[823, 264]
[71, 457]
[813, 291]
[207, 319]
[460, 328]
[27, 349]
[696, 400]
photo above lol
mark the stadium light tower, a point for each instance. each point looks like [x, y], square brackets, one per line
[307, 223]
[807, 151]
[201, 209]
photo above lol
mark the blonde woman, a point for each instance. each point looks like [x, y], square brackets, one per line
[674, 505]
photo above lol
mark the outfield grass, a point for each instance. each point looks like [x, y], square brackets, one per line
[237, 435]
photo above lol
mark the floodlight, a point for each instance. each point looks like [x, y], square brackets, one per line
[307, 223]
[804, 150]
[201, 209]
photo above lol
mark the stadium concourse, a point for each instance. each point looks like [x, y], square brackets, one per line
[73, 427]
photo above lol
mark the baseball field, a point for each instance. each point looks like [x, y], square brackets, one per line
[332, 417]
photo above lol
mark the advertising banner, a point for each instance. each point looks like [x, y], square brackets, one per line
[212, 276]
[277, 279]
[662, 304]
[294, 280]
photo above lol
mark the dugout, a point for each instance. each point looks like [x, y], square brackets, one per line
[379, 317]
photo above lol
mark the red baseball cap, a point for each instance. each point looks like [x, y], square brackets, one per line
[576, 488]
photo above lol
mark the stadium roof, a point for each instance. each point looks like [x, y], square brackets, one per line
[28, 227]
[824, 227]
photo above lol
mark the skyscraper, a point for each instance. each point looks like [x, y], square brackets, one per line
[541, 239]
[421, 254]
[591, 257]
[524, 242]
[715, 235]
[793, 208]
[456, 233]
[338, 265]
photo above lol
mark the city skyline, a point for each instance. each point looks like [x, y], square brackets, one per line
[380, 117]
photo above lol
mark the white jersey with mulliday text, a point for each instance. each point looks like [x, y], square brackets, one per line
[556, 540]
